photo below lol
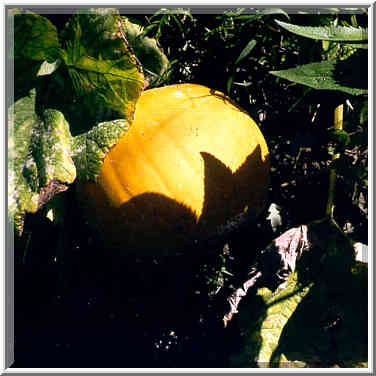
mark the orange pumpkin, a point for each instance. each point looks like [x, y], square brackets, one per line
[191, 161]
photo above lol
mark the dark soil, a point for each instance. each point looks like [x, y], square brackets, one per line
[88, 311]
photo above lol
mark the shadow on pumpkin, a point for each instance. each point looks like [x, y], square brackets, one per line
[152, 221]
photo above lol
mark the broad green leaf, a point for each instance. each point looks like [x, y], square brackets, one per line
[99, 78]
[21, 122]
[280, 306]
[33, 41]
[324, 270]
[153, 60]
[39, 158]
[90, 149]
[356, 35]
[35, 37]
[264, 319]
[349, 76]
[330, 319]
[51, 149]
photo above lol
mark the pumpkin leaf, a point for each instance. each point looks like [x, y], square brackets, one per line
[35, 37]
[153, 60]
[309, 258]
[34, 42]
[39, 158]
[357, 36]
[333, 318]
[99, 78]
[90, 148]
[280, 306]
[348, 76]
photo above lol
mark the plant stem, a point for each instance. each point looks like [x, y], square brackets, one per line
[338, 124]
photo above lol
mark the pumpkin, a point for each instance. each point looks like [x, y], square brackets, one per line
[191, 161]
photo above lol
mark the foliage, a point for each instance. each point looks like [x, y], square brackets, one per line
[334, 327]
[75, 95]
[39, 163]
[331, 75]
[77, 79]
[348, 34]
[153, 60]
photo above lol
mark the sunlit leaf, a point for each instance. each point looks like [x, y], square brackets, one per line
[314, 259]
[91, 147]
[48, 68]
[334, 319]
[356, 35]
[39, 158]
[100, 77]
[349, 76]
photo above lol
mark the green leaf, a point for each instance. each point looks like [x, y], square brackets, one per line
[39, 158]
[270, 11]
[357, 35]
[90, 149]
[349, 76]
[329, 313]
[153, 60]
[166, 11]
[323, 270]
[21, 196]
[35, 37]
[281, 305]
[246, 51]
[100, 79]
[264, 319]
[51, 149]
[259, 14]
[33, 40]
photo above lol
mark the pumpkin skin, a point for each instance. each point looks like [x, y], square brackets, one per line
[191, 161]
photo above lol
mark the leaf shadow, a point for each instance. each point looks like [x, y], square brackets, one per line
[151, 220]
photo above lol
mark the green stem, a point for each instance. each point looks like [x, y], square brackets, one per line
[338, 124]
